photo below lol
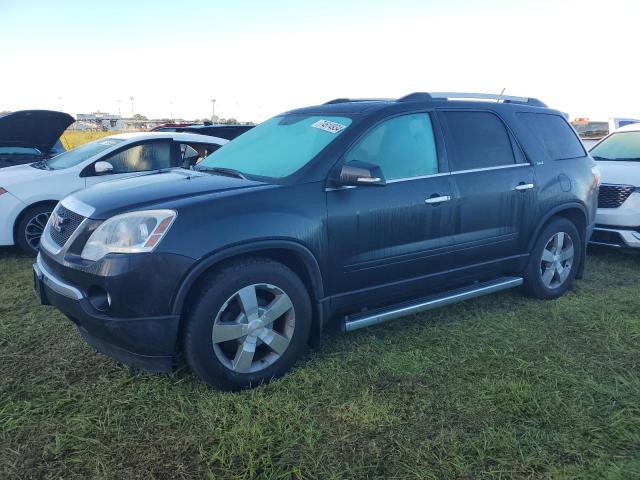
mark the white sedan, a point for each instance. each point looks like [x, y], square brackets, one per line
[28, 193]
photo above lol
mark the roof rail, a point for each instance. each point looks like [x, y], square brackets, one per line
[346, 100]
[423, 96]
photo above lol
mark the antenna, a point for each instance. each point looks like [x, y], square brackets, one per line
[501, 93]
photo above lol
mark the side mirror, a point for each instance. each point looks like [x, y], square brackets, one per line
[356, 173]
[103, 168]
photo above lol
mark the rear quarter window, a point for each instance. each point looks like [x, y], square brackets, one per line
[555, 135]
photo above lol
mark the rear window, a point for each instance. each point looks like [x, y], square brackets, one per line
[478, 140]
[554, 133]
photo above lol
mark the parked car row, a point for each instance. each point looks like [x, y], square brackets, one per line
[351, 211]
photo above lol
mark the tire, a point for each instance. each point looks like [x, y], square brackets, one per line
[554, 260]
[30, 227]
[229, 344]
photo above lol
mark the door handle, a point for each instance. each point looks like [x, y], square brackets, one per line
[524, 186]
[440, 199]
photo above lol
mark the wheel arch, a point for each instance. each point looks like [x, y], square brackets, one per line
[292, 254]
[24, 211]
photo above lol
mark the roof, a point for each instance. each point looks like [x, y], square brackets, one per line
[634, 127]
[180, 136]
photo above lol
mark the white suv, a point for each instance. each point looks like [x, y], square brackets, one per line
[28, 193]
[618, 218]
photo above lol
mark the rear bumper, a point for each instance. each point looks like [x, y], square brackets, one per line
[148, 342]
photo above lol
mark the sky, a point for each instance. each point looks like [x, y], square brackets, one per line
[260, 58]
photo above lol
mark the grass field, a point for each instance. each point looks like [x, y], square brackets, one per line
[497, 387]
[72, 138]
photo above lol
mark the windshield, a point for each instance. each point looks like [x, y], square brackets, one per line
[591, 129]
[78, 155]
[619, 146]
[278, 147]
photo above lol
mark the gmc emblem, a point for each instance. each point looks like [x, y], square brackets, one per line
[57, 222]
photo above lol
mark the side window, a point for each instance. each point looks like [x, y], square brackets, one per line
[554, 133]
[477, 140]
[193, 153]
[403, 147]
[141, 158]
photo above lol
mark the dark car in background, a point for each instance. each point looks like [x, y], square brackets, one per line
[31, 135]
[352, 211]
[228, 132]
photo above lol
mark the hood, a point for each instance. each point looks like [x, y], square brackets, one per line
[622, 173]
[18, 174]
[113, 197]
[33, 128]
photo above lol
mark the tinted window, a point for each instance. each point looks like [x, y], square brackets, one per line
[555, 135]
[193, 153]
[619, 146]
[478, 140]
[403, 147]
[140, 158]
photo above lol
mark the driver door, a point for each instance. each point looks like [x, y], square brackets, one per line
[134, 159]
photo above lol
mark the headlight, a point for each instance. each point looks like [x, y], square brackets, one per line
[129, 233]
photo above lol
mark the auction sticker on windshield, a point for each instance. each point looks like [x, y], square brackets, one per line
[328, 126]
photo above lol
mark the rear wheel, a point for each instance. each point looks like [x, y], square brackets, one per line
[31, 227]
[554, 260]
[249, 324]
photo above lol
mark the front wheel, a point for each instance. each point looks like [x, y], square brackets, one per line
[249, 324]
[554, 260]
[30, 227]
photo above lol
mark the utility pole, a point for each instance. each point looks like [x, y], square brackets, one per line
[213, 110]
[131, 98]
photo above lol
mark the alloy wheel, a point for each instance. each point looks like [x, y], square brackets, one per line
[557, 260]
[34, 229]
[253, 328]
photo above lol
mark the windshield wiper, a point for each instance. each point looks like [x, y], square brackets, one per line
[229, 172]
[42, 165]
[622, 159]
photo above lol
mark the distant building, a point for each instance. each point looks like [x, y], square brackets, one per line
[105, 122]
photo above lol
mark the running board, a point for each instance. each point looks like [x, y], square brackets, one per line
[366, 319]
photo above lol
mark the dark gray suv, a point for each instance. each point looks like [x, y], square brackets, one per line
[352, 211]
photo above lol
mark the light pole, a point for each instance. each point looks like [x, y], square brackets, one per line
[213, 110]
[60, 100]
[131, 98]
[119, 108]
[171, 110]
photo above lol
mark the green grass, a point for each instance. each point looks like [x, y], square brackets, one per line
[498, 387]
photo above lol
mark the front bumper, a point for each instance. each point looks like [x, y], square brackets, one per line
[144, 342]
[615, 237]
[10, 208]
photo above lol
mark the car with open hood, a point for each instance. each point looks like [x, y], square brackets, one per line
[29, 193]
[354, 212]
[30, 135]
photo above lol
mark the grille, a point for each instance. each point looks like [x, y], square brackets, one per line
[69, 223]
[612, 196]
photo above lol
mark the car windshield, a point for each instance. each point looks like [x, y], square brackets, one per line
[78, 155]
[591, 129]
[278, 147]
[621, 146]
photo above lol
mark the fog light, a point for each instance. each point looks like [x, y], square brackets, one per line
[99, 298]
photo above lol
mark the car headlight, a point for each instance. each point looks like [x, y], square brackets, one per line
[132, 232]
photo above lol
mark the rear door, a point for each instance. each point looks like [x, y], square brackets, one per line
[147, 156]
[383, 238]
[493, 184]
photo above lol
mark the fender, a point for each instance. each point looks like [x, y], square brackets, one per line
[309, 260]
